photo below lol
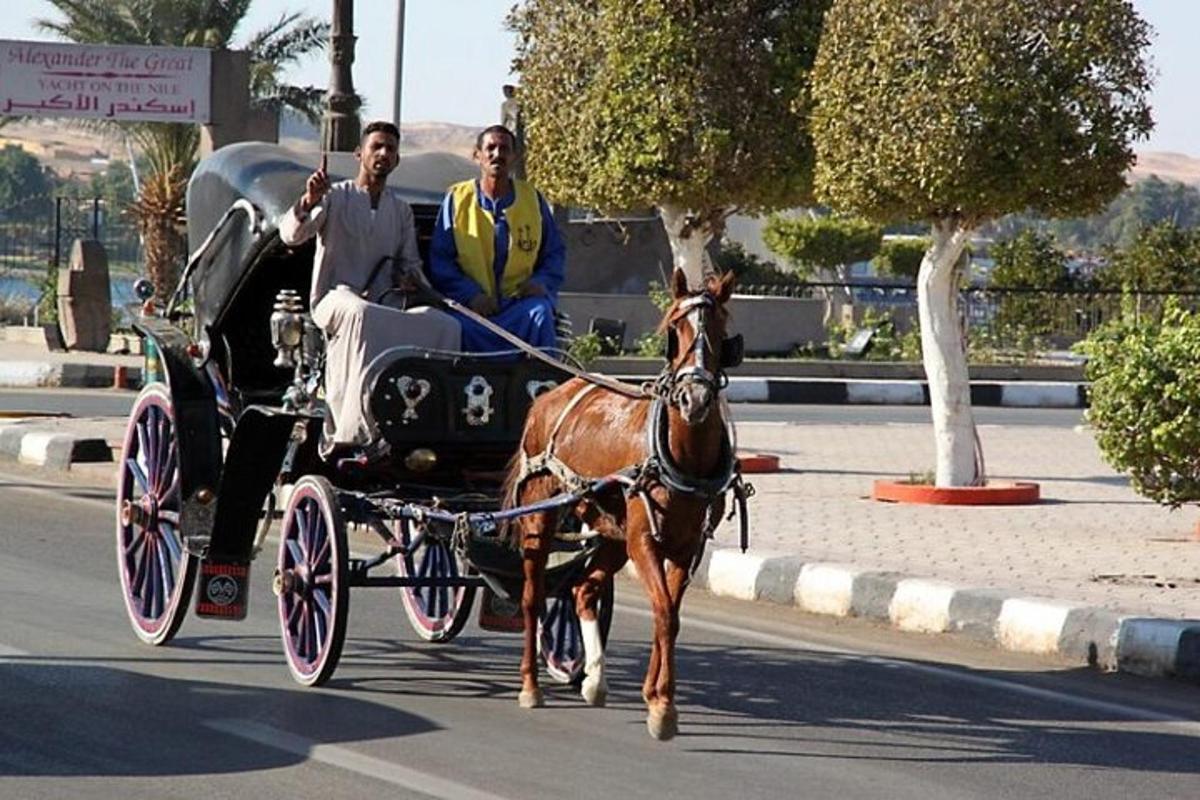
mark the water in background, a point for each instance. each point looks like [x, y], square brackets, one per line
[20, 291]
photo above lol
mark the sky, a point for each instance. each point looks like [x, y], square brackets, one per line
[457, 55]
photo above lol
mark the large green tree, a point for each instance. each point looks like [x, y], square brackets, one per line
[961, 111]
[170, 149]
[698, 109]
[25, 185]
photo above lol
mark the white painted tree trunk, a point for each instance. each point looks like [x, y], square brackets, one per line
[687, 244]
[945, 359]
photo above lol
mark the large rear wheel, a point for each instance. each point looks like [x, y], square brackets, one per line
[157, 573]
[312, 582]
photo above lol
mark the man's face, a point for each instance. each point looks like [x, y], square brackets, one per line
[495, 154]
[379, 153]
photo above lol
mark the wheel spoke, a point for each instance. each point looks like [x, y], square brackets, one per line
[139, 476]
[166, 568]
[294, 552]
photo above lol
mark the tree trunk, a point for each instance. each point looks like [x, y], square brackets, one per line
[945, 358]
[688, 240]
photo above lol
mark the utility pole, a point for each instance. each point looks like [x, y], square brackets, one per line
[399, 61]
[340, 126]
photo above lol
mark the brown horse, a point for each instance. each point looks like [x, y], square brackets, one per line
[681, 454]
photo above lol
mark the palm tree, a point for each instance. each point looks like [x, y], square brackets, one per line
[170, 149]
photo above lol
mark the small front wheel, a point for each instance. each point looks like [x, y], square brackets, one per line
[312, 581]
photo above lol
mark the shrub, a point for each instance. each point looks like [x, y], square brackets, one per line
[1145, 402]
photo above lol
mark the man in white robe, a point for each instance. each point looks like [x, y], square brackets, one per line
[358, 224]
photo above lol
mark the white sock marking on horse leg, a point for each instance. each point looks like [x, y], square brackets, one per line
[595, 687]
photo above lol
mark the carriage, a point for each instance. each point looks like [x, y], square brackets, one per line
[223, 445]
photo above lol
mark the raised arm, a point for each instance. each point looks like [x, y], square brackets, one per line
[302, 221]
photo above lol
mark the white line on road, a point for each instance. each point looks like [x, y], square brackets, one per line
[1181, 724]
[347, 759]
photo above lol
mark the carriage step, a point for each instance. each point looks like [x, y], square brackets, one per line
[499, 614]
[224, 589]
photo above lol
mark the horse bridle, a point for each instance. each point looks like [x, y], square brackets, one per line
[672, 381]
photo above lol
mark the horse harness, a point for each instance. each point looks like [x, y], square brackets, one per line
[659, 468]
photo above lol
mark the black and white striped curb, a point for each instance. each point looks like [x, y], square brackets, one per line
[49, 448]
[1022, 394]
[1088, 635]
[38, 374]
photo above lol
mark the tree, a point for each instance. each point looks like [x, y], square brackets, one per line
[901, 256]
[697, 109]
[1030, 261]
[170, 149]
[1163, 258]
[962, 111]
[25, 185]
[823, 247]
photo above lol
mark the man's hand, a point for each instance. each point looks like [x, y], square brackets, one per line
[316, 186]
[531, 288]
[483, 304]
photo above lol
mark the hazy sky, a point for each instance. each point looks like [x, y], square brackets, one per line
[457, 56]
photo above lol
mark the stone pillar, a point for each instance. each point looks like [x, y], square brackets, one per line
[232, 118]
[340, 126]
[85, 298]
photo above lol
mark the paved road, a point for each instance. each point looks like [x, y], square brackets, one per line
[774, 704]
[107, 402]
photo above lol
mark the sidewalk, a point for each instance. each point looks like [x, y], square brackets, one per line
[1094, 573]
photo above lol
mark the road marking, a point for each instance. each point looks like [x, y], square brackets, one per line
[11, 652]
[347, 759]
[1182, 724]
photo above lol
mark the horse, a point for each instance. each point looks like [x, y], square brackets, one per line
[674, 449]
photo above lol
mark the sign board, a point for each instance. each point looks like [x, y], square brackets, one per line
[123, 83]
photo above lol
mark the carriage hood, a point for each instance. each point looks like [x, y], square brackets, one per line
[271, 178]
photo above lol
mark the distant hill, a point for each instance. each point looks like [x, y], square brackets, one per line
[1168, 167]
[416, 137]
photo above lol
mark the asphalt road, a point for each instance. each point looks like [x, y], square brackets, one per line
[773, 704]
[108, 402]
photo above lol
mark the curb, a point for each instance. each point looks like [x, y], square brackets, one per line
[1089, 635]
[42, 448]
[801, 391]
[42, 374]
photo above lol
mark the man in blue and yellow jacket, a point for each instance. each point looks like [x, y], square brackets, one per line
[497, 250]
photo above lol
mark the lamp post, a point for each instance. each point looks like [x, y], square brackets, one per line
[399, 61]
[340, 125]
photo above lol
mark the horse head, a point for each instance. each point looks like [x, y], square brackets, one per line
[698, 350]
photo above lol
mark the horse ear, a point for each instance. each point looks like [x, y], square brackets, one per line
[725, 287]
[679, 284]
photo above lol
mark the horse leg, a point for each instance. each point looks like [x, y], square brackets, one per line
[536, 532]
[662, 720]
[608, 559]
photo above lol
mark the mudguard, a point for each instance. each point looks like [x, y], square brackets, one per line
[196, 423]
[252, 464]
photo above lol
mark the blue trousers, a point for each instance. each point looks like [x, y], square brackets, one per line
[530, 318]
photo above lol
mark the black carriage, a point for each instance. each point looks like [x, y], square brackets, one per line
[226, 437]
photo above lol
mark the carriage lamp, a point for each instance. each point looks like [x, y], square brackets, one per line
[421, 460]
[287, 327]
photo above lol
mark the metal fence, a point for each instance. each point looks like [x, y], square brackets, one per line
[35, 240]
[1017, 319]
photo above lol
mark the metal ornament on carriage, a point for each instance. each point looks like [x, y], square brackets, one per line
[479, 409]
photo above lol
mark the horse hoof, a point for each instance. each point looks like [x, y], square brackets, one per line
[531, 699]
[594, 692]
[664, 724]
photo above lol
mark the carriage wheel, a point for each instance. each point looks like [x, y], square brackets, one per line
[157, 573]
[560, 637]
[312, 582]
[436, 613]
